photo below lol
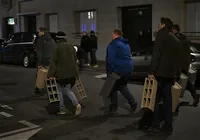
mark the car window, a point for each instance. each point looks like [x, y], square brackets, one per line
[15, 38]
[27, 37]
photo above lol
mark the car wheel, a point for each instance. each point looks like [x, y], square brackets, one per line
[26, 61]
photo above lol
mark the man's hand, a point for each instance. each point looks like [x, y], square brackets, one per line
[151, 77]
[51, 78]
[40, 67]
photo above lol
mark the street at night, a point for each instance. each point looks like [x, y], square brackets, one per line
[24, 115]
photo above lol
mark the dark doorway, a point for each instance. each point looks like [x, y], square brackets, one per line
[30, 23]
[134, 20]
[7, 27]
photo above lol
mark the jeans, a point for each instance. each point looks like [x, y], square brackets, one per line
[93, 57]
[164, 94]
[121, 85]
[66, 90]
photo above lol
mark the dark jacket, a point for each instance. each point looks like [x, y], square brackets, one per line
[118, 57]
[166, 56]
[63, 64]
[44, 47]
[80, 53]
[93, 42]
[85, 43]
[185, 51]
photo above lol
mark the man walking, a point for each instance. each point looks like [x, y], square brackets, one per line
[185, 51]
[164, 68]
[44, 47]
[85, 45]
[64, 68]
[119, 61]
[93, 44]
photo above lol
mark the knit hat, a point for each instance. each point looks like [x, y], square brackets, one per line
[60, 34]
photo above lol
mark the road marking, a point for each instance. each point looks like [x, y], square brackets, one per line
[101, 76]
[22, 136]
[6, 114]
[30, 127]
[6, 107]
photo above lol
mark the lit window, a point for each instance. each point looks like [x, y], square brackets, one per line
[88, 21]
[89, 15]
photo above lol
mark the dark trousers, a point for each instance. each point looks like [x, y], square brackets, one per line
[121, 85]
[93, 57]
[164, 94]
[81, 63]
[86, 57]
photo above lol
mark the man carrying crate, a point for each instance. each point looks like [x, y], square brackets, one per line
[185, 49]
[44, 47]
[164, 68]
[64, 68]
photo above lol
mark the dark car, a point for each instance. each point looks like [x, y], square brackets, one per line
[142, 60]
[19, 48]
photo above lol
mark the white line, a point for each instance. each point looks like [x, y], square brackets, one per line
[101, 76]
[6, 114]
[22, 136]
[6, 107]
[30, 126]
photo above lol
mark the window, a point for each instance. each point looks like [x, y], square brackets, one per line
[27, 37]
[88, 21]
[15, 38]
[193, 17]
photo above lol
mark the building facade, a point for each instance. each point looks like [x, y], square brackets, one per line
[102, 16]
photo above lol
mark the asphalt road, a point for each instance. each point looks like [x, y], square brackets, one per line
[23, 116]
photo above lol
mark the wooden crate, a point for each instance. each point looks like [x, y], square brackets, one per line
[52, 90]
[176, 93]
[79, 90]
[149, 94]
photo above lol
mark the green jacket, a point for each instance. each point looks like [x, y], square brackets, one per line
[63, 64]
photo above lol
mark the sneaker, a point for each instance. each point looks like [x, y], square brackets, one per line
[196, 100]
[61, 113]
[38, 92]
[78, 110]
[153, 130]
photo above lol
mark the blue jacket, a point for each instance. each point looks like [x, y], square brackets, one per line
[118, 57]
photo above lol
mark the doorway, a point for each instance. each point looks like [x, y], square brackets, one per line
[30, 24]
[134, 20]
